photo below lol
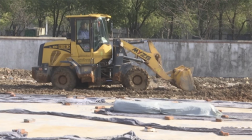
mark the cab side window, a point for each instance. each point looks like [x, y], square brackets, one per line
[100, 33]
[83, 35]
[96, 36]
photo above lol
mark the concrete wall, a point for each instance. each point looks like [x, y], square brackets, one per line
[20, 52]
[209, 58]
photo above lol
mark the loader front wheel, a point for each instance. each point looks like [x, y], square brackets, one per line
[136, 79]
[64, 78]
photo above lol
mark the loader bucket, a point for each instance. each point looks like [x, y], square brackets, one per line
[182, 78]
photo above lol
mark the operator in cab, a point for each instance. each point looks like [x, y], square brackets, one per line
[83, 32]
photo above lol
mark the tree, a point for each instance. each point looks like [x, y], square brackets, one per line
[39, 8]
[117, 11]
[18, 17]
[4, 6]
[58, 10]
[169, 10]
[220, 6]
[138, 11]
[200, 15]
[152, 27]
[131, 14]
[236, 8]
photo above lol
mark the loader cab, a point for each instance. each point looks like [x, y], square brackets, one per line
[89, 34]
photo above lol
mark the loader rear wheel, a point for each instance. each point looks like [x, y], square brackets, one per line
[64, 78]
[136, 79]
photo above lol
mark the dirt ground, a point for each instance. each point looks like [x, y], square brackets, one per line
[232, 89]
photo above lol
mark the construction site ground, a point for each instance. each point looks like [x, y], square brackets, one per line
[21, 82]
[231, 89]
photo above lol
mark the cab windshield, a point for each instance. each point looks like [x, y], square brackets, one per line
[100, 33]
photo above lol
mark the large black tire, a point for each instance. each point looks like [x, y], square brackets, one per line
[64, 78]
[136, 78]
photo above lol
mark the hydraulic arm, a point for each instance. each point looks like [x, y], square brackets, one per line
[180, 76]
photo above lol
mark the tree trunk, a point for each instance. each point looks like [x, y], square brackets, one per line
[128, 33]
[200, 24]
[220, 25]
[54, 24]
[162, 34]
[55, 19]
[168, 32]
[62, 16]
[239, 32]
[40, 22]
[131, 32]
[171, 28]
[15, 30]
[233, 26]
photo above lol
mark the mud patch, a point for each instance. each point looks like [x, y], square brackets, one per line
[231, 89]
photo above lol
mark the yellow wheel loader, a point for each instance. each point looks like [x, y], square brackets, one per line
[87, 58]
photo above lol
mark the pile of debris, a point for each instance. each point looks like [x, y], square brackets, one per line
[15, 74]
[231, 89]
[202, 83]
[212, 82]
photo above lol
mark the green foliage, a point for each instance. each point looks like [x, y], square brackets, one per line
[151, 27]
[4, 21]
[4, 6]
[142, 18]
[137, 12]
[39, 8]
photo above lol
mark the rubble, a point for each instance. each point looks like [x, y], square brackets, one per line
[169, 117]
[232, 89]
[149, 129]
[29, 120]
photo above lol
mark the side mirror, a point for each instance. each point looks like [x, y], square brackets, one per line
[68, 36]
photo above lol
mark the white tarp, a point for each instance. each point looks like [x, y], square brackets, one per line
[166, 107]
[136, 107]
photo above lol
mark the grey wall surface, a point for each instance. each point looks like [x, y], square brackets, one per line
[209, 58]
[20, 52]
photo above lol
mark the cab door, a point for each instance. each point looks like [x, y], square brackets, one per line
[83, 41]
[101, 47]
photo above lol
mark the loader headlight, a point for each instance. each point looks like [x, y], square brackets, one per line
[121, 44]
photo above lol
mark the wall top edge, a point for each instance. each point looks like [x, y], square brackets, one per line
[132, 39]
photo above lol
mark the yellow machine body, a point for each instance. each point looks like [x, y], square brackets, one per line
[56, 51]
[63, 62]
[63, 49]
